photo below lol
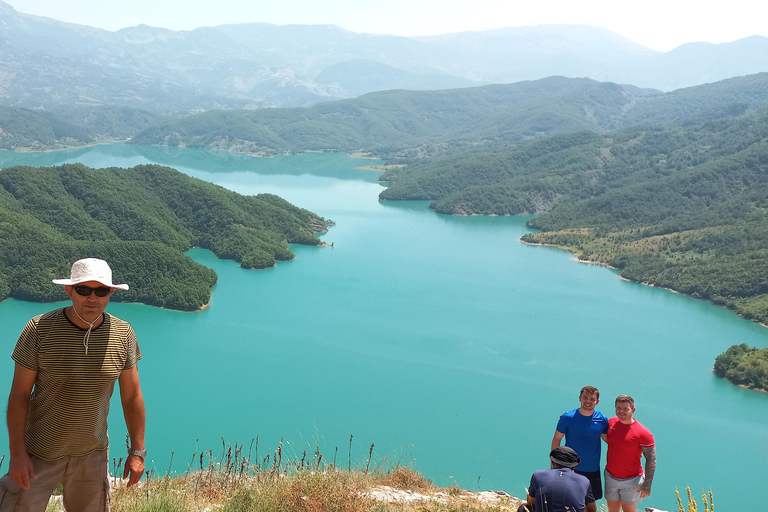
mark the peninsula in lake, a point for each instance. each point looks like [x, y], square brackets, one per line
[141, 220]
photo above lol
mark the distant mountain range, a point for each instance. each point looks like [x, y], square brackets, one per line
[398, 123]
[395, 123]
[47, 63]
[405, 124]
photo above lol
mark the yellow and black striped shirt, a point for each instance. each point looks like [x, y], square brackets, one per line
[69, 404]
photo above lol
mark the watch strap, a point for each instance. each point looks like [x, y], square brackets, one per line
[138, 453]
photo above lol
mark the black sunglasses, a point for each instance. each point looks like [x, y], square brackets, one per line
[85, 291]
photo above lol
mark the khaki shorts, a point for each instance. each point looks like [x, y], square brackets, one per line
[85, 481]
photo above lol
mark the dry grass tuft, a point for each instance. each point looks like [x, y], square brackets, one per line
[405, 479]
[707, 500]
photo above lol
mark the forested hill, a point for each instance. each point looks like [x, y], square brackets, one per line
[140, 220]
[396, 123]
[410, 122]
[21, 128]
[684, 208]
[405, 124]
[24, 129]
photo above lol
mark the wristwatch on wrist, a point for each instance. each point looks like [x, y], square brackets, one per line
[138, 453]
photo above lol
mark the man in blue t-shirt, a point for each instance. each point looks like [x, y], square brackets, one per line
[582, 428]
[559, 489]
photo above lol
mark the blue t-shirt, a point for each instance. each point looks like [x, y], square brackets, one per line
[582, 433]
[560, 490]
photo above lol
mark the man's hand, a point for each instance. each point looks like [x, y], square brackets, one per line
[134, 466]
[21, 470]
[645, 490]
[133, 410]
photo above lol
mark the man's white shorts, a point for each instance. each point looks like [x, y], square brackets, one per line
[623, 489]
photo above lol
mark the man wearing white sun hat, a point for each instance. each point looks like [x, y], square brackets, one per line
[67, 362]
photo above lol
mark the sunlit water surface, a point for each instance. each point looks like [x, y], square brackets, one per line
[442, 340]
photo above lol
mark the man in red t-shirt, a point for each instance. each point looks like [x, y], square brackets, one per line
[625, 481]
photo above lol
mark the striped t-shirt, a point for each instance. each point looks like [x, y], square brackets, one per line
[69, 404]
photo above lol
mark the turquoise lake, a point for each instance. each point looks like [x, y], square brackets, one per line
[443, 340]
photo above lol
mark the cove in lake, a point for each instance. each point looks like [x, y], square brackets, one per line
[443, 340]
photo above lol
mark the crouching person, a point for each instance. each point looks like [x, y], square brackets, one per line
[560, 489]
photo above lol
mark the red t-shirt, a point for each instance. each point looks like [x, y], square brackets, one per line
[625, 447]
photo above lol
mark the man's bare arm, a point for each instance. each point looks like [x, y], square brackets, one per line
[591, 507]
[135, 421]
[556, 439]
[649, 452]
[20, 468]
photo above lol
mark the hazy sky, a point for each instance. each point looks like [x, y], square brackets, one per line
[657, 24]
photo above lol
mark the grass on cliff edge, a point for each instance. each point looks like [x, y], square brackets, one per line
[305, 483]
[234, 483]
[298, 491]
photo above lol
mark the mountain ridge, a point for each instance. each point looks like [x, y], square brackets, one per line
[47, 63]
[395, 124]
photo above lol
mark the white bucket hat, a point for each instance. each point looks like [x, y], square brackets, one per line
[90, 269]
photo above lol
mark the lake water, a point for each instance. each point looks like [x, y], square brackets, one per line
[443, 340]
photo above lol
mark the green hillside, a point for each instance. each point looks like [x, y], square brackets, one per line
[410, 125]
[683, 208]
[694, 105]
[398, 124]
[108, 123]
[23, 129]
[140, 220]
[408, 122]
[524, 178]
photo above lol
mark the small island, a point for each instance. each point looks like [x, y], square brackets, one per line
[744, 366]
[141, 220]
